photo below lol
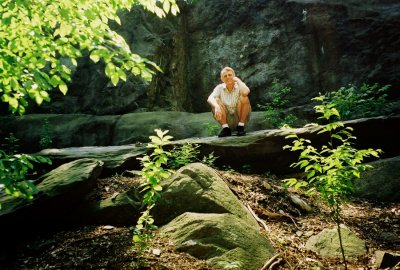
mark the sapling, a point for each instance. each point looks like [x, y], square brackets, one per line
[331, 170]
[153, 173]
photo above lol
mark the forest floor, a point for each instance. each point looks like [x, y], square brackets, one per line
[288, 228]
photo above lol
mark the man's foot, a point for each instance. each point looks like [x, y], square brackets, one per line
[225, 132]
[240, 131]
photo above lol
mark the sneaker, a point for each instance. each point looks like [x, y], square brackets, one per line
[225, 132]
[240, 131]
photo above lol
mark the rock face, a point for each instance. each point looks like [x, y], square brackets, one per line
[312, 46]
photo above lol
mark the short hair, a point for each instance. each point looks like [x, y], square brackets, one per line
[225, 69]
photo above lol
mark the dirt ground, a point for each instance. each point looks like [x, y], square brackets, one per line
[287, 227]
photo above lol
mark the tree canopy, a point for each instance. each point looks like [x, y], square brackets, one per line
[41, 40]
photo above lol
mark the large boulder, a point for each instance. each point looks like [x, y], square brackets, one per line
[224, 240]
[197, 188]
[205, 219]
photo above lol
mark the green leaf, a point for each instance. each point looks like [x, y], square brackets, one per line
[157, 188]
[94, 56]
[136, 238]
[114, 79]
[166, 6]
[63, 88]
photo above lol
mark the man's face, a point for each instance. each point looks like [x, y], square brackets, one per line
[227, 77]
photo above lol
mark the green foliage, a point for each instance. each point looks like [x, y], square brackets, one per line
[187, 153]
[276, 103]
[212, 129]
[45, 135]
[13, 171]
[182, 155]
[40, 42]
[331, 170]
[356, 102]
[153, 172]
[11, 144]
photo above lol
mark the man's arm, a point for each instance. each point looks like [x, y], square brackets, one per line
[214, 104]
[244, 90]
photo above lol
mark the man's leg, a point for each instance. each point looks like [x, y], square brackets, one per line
[226, 131]
[244, 109]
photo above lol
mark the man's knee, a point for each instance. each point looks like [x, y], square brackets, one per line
[244, 99]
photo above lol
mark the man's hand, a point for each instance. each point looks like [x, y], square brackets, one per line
[218, 113]
[236, 79]
[244, 90]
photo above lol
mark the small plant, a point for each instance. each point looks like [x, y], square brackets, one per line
[212, 129]
[276, 103]
[184, 154]
[331, 170]
[153, 173]
[356, 102]
[11, 144]
[154, 170]
[209, 160]
[45, 135]
[13, 171]
[228, 168]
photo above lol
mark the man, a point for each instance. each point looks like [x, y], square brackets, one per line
[230, 103]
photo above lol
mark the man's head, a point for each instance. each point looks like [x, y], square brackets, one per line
[227, 72]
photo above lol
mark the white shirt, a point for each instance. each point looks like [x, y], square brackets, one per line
[228, 98]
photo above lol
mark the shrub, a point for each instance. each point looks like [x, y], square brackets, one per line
[330, 171]
[276, 103]
[356, 102]
[184, 154]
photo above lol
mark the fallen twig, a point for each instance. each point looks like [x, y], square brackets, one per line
[258, 219]
[270, 261]
[275, 263]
